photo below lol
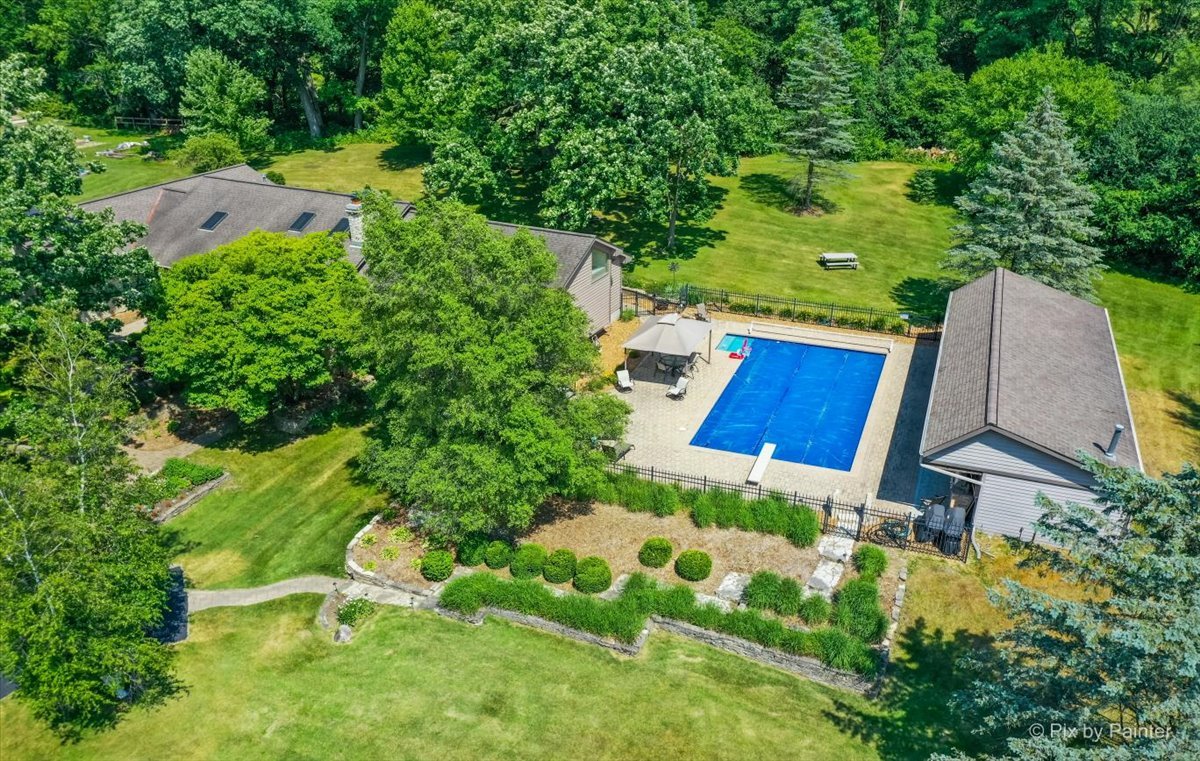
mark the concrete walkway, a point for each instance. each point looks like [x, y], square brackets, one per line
[202, 599]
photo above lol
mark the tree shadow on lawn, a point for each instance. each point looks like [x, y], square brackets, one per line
[646, 240]
[924, 296]
[776, 192]
[1187, 413]
[947, 185]
[401, 157]
[917, 718]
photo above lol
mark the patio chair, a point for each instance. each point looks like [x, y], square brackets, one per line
[956, 521]
[931, 523]
[662, 367]
[689, 368]
[624, 382]
[679, 390]
[702, 312]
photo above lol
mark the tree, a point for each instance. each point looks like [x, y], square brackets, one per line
[416, 47]
[219, 96]
[1119, 661]
[1028, 211]
[256, 324]
[474, 355]
[1001, 94]
[359, 25]
[83, 573]
[204, 153]
[49, 247]
[816, 99]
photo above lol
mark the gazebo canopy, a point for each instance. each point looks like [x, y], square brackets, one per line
[669, 334]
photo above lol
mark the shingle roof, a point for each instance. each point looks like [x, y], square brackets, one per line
[173, 212]
[1024, 359]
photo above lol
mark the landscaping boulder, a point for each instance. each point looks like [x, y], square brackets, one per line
[733, 586]
[342, 634]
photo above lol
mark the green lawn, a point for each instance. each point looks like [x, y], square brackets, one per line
[264, 682]
[755, 244]
[128, 173]
[289, 511]
[347, 168]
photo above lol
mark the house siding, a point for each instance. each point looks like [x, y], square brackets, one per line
[1006, 505]
[599, 298]
[992, 452]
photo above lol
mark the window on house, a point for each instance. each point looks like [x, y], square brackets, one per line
[343, 225]
[599, 264]
[211, 223]
[301, 222]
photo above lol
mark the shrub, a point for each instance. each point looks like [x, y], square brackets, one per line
[528, 560]
[857, 611]
[870, 561]
[471, 550]
[193, 473]
[559, 567]
[592, 575]
[762, 591]
[390, 553]
[791, 597]
[370, 566]
[814, 609]
[704, 513]
[368, 540]
[352, 612]
[664, 500]
[497, 555]
[275, 176]
[803, 527]
[400, 535]
[204, 153]
[693, 565]
[656, 552]
[437, 565]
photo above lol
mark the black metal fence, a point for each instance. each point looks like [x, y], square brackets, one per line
[859, 521]
[793, 310]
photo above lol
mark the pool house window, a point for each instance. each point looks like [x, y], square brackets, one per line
[599, 264]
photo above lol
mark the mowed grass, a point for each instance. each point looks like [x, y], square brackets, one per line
[290, 510]
[129, 173]
[347, 168]
[755, 244]
[264, 682]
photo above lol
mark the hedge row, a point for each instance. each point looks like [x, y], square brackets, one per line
[772, 515]
[624, 618]
[528, 561]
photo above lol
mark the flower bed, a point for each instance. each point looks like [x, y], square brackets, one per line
[624, 618]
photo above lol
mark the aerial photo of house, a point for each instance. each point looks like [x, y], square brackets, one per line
[407, 379]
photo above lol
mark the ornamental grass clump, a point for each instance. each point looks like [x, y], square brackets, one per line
[656, 552]
[857, 611]
[870, 561]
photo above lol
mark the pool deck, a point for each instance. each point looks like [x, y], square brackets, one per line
[885, 466]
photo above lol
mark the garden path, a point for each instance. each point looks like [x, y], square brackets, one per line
[202, 599]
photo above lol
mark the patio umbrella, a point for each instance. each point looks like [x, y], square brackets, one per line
[669, 334]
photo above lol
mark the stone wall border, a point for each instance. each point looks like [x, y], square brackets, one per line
[188, 499]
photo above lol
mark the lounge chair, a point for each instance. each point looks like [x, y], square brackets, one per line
[624, 382]
[956, 521]
[702, 312]
[679, 390]
[689, 368]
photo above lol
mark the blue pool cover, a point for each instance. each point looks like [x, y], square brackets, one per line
[810, 401]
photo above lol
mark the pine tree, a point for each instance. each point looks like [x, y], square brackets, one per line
[1117, 661]
[1028, 212]
[816, 98]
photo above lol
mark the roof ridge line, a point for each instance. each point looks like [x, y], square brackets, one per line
[992, 412]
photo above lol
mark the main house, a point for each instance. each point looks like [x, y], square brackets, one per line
[1027, 378]
[201, 212]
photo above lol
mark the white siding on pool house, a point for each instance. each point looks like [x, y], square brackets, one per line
[1009, 506]
[597, 290]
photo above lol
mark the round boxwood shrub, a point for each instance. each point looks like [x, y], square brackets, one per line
[656, 552]
[528, 560]
[559, 567]
[693, 565]
[471, 549]
[592, 575]
[437, 565]
[497, 555]
[870, 561]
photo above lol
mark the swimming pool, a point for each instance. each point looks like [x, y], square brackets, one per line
[811, 402]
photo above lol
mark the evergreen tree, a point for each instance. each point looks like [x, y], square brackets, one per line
[1119, 661]
[1028, 212]
[816, 101]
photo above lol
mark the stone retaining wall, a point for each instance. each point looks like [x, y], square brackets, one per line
[189, 498]
[358, 573]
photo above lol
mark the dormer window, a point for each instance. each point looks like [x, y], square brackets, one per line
[214, 220]
[599, 264]
[301, 222]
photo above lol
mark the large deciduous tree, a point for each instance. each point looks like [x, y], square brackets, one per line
[220, 96]
[256, 324]
[816, 102]
[1116, 667]
[1030, 211]
[49, 247]
[474, 356]
[83, 573]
